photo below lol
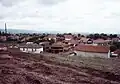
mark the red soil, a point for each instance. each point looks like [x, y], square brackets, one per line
[21, 68]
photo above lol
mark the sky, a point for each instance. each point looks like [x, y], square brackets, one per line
[93, 16]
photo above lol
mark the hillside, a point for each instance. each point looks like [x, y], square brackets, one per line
[21, 68]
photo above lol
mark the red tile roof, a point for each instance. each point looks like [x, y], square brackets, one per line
[91, 48]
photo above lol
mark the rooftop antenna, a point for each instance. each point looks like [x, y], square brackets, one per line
[5, 28]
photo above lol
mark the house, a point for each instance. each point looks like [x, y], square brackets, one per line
[45, 43]
[13, 37]
[3, 38]
[68, 37]
[86, 40]
[57, 47]
[115, 39]
[101, 42]
[60, 38]
[52, 36]
[13, 45]
[73, 43]
[3, 47]
[92, 51]
[89, 41]
[31, 48]
[26, 38]
[116, 53]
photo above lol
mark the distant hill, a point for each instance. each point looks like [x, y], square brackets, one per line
[29, 31]
[18, 31]
[39, 31]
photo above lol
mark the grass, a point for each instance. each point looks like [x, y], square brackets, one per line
[63, 68]
[104, 64]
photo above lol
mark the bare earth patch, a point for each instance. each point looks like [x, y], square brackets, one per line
[21, 68]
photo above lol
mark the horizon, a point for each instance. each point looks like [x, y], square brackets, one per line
[88, 16]
[10, 30]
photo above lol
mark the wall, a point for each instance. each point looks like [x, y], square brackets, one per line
[39, 50]
[90, 54]
[30, 50]
[67, 39]
[29, 43]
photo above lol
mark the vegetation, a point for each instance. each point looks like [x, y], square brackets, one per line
[51, 69]
[102, 36]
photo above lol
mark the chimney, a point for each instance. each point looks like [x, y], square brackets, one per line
[5, 28]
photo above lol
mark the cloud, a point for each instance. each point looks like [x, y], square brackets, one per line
[8, 2]
[45, 2]
[62, 15]
[50, 2]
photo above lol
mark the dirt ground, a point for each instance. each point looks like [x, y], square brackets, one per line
[22, 68]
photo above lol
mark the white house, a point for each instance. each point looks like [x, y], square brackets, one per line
[31, 48]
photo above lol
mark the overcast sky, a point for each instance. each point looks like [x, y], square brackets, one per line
[61, 15]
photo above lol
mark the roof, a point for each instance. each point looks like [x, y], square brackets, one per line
[30, 46]
[100, 41]
[74, 41]
[68, 36]
[45, 42]
[59, 44]
[91, 48]
[84, 39]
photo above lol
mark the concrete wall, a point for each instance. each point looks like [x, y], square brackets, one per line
[29, 43]
[30, 50]
[67, 39]
[90, 54]
[39, 50]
